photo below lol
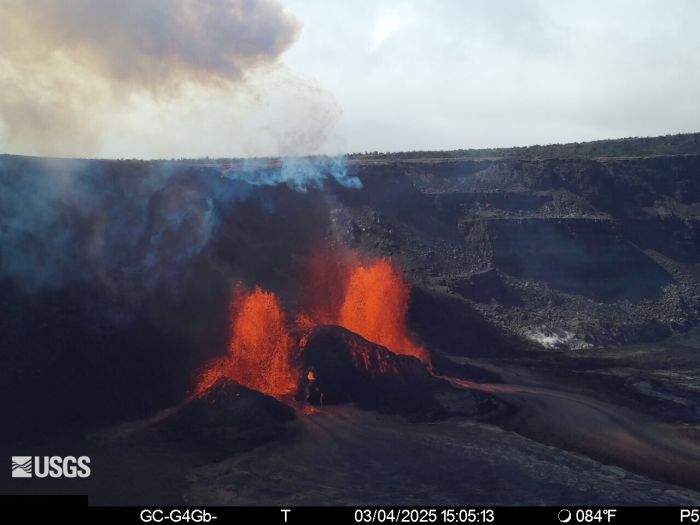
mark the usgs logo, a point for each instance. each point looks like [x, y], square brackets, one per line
[50, 467]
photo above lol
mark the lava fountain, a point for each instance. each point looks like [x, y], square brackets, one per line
[375, 307]
[260, 353]
[366, 296]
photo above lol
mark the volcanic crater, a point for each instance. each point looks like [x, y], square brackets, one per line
[449, 327]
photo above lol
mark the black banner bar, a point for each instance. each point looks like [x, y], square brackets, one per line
[46, 509]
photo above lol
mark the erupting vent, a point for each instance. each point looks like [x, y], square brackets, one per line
[368, 297]
[260, 354]
[375, 306]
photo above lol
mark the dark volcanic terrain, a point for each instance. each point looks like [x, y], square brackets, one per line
[556, 289]
[565, 253]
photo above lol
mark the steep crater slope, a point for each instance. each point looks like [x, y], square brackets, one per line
[567, 253]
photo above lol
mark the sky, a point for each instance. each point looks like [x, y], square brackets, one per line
[224, 78]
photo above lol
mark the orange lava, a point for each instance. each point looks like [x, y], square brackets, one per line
[261, 353]
[368, 297]
[375, 307]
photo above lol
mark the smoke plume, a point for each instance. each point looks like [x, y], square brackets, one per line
[73, 72]
[299, 173]
[129, 225]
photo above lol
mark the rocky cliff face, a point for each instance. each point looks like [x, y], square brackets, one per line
[566, 253]
[116, 276]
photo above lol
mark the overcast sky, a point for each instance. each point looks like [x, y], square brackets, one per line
[259, 77]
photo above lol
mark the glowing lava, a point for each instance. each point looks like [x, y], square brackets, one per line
[368, 297]
[375, 307]
[260, 354]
